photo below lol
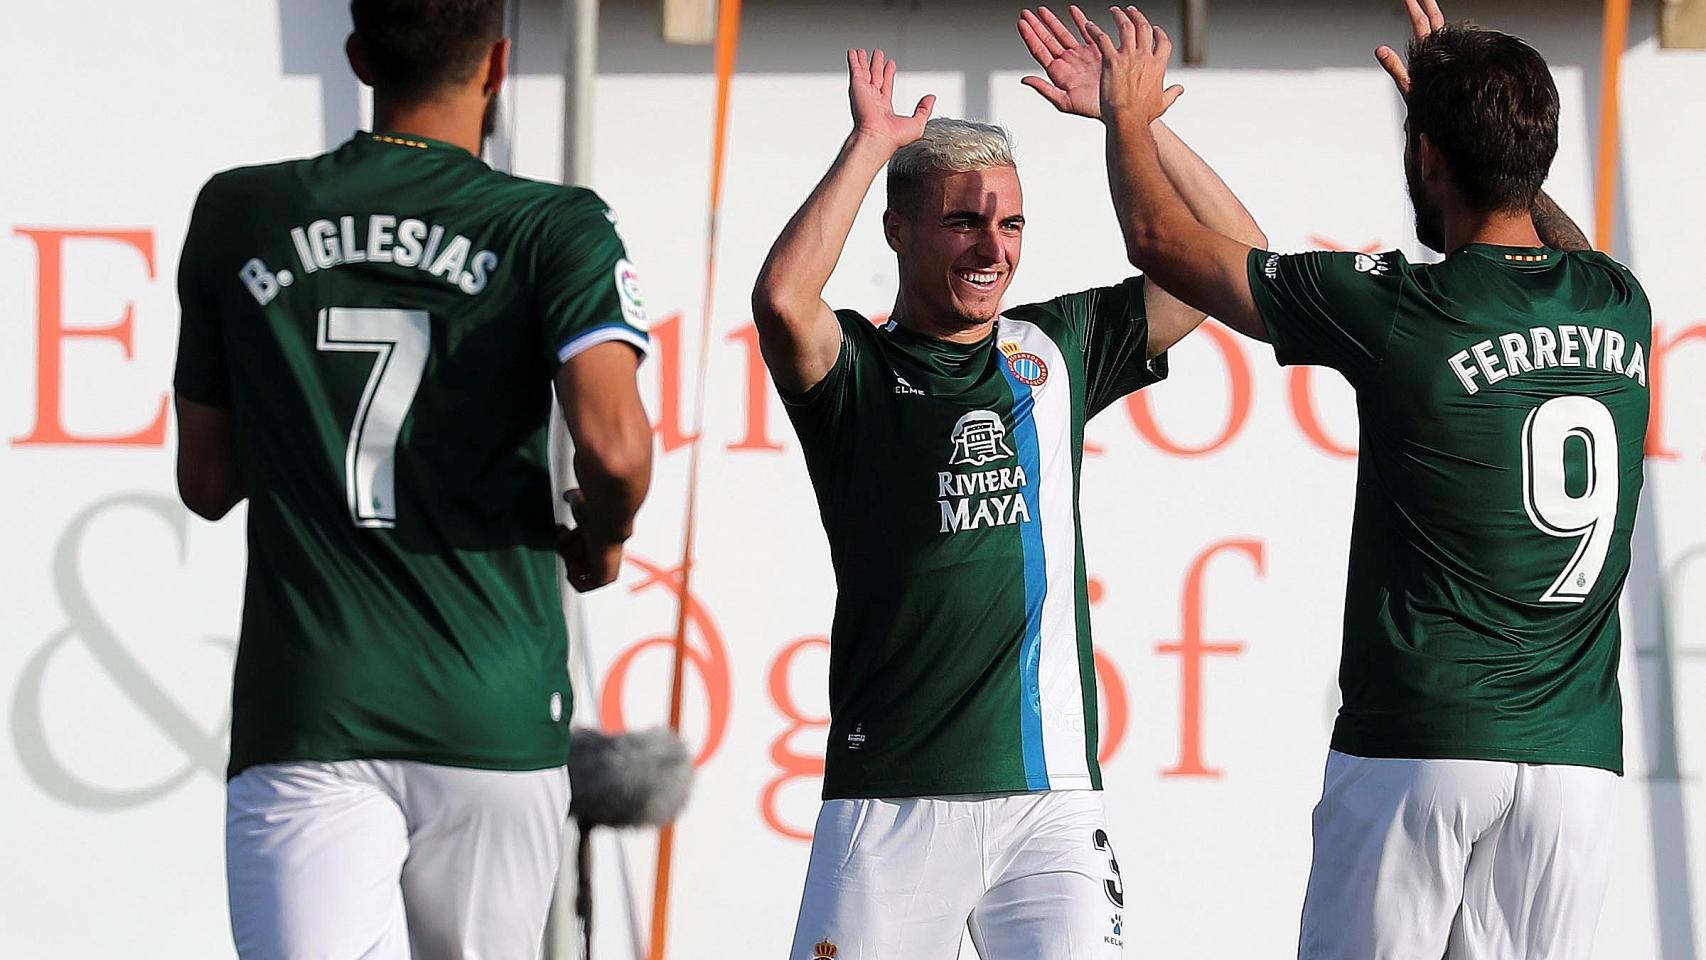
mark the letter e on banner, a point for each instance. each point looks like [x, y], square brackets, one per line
[51, 334]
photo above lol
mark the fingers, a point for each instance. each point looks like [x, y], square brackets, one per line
[877, 65]
[888, 76]
[1436, 18]
[1163, 46]
[925, 105]
[1057, 30]
[1170, 96]
[1395, 68]
[1102, 41]
[856, 66]
[1080, 19]
[1141, 27]
[1127, 28]
[1034, 41]
[1419, 27]
[1050, 92]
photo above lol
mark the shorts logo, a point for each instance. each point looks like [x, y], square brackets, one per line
[1370, 264]
[824, 950]
[1027, 368]
[628, 292]
[979, 437]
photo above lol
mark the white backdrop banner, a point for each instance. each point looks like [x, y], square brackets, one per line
[1216, 505]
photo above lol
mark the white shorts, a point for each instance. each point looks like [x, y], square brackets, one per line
[1030, 875]
[1461, 859]
[392, 859]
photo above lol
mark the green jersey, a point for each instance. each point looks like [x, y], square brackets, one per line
[1502, 396]
[383, 322]
[947, 479]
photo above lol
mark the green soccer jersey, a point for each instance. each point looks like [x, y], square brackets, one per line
[383, 322]
[947, 479]
[1502, 396]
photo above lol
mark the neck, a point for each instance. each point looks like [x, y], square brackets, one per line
[1504, 229]
[928, 324]
[454, 119]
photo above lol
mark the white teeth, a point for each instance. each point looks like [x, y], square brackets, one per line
[979, 277]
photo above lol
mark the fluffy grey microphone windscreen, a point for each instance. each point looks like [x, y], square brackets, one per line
[637, 779]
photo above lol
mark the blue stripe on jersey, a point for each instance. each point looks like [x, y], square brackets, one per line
[1036, 587]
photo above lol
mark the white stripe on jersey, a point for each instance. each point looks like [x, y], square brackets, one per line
[1059, 670]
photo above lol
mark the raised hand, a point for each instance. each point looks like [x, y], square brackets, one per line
[1134, 70]
[1074, 69]
[1425, 18]
[870, 90]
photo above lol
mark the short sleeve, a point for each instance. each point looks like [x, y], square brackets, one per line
[202, 374]
[1329, 309]
[818, 411]
[588, 291]
[1112, 329]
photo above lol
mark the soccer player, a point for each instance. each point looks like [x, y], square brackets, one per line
[944, 448]
[369, 342]
[1503, 403]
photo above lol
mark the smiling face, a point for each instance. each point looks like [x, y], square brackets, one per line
[957, 240]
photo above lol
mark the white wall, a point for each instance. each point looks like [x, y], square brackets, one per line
[115, 653]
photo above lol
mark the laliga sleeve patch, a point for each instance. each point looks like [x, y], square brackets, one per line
[628, 291]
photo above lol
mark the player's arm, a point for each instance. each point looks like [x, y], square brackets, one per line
[613, 458]
[1555, 227]
[797, 332]
[1074, 71]
[209, 482]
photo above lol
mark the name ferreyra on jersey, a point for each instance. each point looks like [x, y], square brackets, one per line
[1503, 400]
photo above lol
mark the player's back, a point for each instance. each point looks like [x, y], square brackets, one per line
[1501, 464]
[388, 317]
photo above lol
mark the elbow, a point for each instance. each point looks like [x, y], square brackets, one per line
[1142, 246]
[621, 458]
[209, 501]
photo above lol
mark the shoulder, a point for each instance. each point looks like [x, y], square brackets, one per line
[237, 186]
[1077, 308]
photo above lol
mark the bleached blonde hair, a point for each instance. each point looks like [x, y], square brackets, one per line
[947, 146]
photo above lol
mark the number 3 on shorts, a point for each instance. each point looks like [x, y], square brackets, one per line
[1114, 888]
[399, 340]
[1590, 515]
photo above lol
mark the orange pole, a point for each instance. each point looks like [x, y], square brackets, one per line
[1605, 180]
[727, 46]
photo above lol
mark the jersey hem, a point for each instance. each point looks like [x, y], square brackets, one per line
[905, 789]
[1426, 751]
[233, 769]
[604, 334]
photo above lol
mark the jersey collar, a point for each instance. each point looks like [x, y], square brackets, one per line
[1513, 256]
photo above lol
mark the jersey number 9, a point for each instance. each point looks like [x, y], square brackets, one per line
[1590, 515]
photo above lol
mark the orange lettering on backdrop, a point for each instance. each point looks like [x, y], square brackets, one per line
[711, 664]
[1191, 649]
[666, 333]
[757, 394]
[51, 334]
[1303, 408]
[1238, 377]
[1655, 380]
[792, 766]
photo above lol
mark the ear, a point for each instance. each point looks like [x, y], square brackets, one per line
[1430, 160]
[358, 60]
[497, 67]
[893, 221]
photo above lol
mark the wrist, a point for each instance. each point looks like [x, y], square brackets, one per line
[869, 145]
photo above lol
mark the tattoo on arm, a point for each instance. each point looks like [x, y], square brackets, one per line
[1555, 227]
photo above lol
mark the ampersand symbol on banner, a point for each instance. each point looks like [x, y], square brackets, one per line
[203, 750]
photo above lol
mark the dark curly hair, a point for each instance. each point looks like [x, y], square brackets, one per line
[416, 48]
[1486, 100]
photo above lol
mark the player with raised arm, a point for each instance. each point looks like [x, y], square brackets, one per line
[1503, 400]
[369, 342]
[944, 448]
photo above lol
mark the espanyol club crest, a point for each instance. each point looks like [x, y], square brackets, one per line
[1027, 368]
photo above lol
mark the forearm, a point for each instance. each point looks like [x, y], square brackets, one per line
[1555, 227]
[613, 486]
[1204, 193]
[799, 265]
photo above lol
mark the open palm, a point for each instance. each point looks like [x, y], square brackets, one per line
[870, 90]
[1073, 64]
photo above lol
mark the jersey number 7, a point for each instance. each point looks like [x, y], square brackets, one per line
[1547, 436]
[399, 340]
